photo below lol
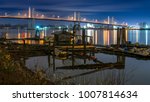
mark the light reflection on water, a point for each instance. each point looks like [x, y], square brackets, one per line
[107, 37]
[135, 71]
[103, 37]
[140, 36]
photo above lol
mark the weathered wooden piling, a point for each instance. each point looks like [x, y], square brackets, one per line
[118, 37]
[123, 35]
[54, 43]
[84, 40]
[73, 42]
[84, 43]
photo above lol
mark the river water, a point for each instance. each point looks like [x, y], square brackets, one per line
[134, 71]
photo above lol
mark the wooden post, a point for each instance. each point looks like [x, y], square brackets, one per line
[54, 54]
[49, 43]
[84, 43]
[123, 35]
[121, 59]
[118, 37]
[84, 40]
[76, 26]
[74, 31]
[94, 38]
[93, 51]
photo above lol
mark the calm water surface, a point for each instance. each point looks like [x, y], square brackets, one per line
[134, 72]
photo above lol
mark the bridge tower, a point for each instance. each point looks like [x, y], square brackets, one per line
[76, 27]
[112, 21]
[29, 12]
[76, 17]
[108, 21]
[30, 28]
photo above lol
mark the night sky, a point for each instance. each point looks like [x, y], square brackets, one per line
[131, 11]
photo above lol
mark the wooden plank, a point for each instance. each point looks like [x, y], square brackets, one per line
[76, 47]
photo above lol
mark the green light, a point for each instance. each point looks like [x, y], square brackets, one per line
[45, 27]
[146, 26]
[37, 27]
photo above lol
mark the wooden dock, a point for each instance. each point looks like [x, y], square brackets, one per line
[77, 47]
[115, 51]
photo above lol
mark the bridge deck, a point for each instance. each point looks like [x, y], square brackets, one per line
[60, 19]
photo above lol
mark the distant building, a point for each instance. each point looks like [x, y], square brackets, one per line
[143, 25]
